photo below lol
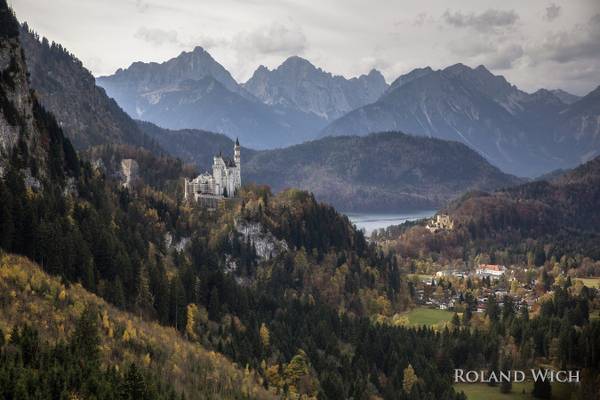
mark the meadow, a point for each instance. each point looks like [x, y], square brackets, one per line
[520, 391]
[428, 316]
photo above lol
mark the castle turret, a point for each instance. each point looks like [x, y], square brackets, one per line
[238, 166]
[236, 152]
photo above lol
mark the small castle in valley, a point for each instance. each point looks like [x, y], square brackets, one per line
[440, 222]
[224, 182]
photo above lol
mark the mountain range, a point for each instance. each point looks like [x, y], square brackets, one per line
[193, 90]
[524, 134]
[298, 84]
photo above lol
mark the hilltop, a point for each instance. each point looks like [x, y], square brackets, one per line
[545, 219]
[380, 172]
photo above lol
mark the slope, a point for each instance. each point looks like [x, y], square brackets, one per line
[68, 90]
[194, 91]
[28, 296]
[519, 132]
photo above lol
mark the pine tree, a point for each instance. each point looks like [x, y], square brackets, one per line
[144, 300]
[542, 389]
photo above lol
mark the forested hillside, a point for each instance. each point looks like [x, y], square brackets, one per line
[380, 172]
[542, 219]
[62, 341]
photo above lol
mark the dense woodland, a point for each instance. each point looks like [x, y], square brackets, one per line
[32, 369]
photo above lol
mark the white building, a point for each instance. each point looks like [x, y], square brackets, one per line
[490, 270]
[225, 180]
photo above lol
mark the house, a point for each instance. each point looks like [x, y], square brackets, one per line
[490, 270]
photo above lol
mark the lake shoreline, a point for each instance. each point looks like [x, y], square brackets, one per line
[370, 222]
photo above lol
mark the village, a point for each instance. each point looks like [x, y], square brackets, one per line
[456, 289]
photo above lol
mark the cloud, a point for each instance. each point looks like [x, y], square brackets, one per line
[485, 21]
[505, 56]
[552, 12]
[493, 53]
[272, 39]
[141, 6]
[157, 36]
[580, 43]
[206, 41]
[420, 19]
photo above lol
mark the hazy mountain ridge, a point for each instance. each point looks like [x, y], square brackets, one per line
[508, 126]
[194, 91]
[565, 97]
[298, 84]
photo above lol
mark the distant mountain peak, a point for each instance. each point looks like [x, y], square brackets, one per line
[564, 96]
[409, 77]
[297, 60]
[300, 85]
[457, 68]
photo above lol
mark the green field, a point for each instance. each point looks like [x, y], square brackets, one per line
[520, 391]
[590, 282]
[420, 276]
[428, 316]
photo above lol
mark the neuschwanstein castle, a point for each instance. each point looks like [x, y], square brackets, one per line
[225, 180]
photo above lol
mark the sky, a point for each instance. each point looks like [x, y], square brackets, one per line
[533, 43]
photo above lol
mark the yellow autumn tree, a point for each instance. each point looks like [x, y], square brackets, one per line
[299, 375]
[265, 336]
[410, 378]
[192, 313]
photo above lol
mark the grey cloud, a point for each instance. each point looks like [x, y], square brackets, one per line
[485, 21]
[490, 52]
[141, 6]
[207, 42]
[505, 57]
[272, 39]
[581, 43]
[156, 36]
[552, 12]
[420, 19]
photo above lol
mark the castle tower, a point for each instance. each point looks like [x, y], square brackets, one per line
[236, 152]
[238, 164]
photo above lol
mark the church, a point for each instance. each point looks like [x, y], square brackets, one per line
[224, 182]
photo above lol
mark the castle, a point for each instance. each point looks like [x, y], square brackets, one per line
[224, 182]
[440, 222]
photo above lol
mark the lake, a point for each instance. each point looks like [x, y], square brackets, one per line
[372, 221]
